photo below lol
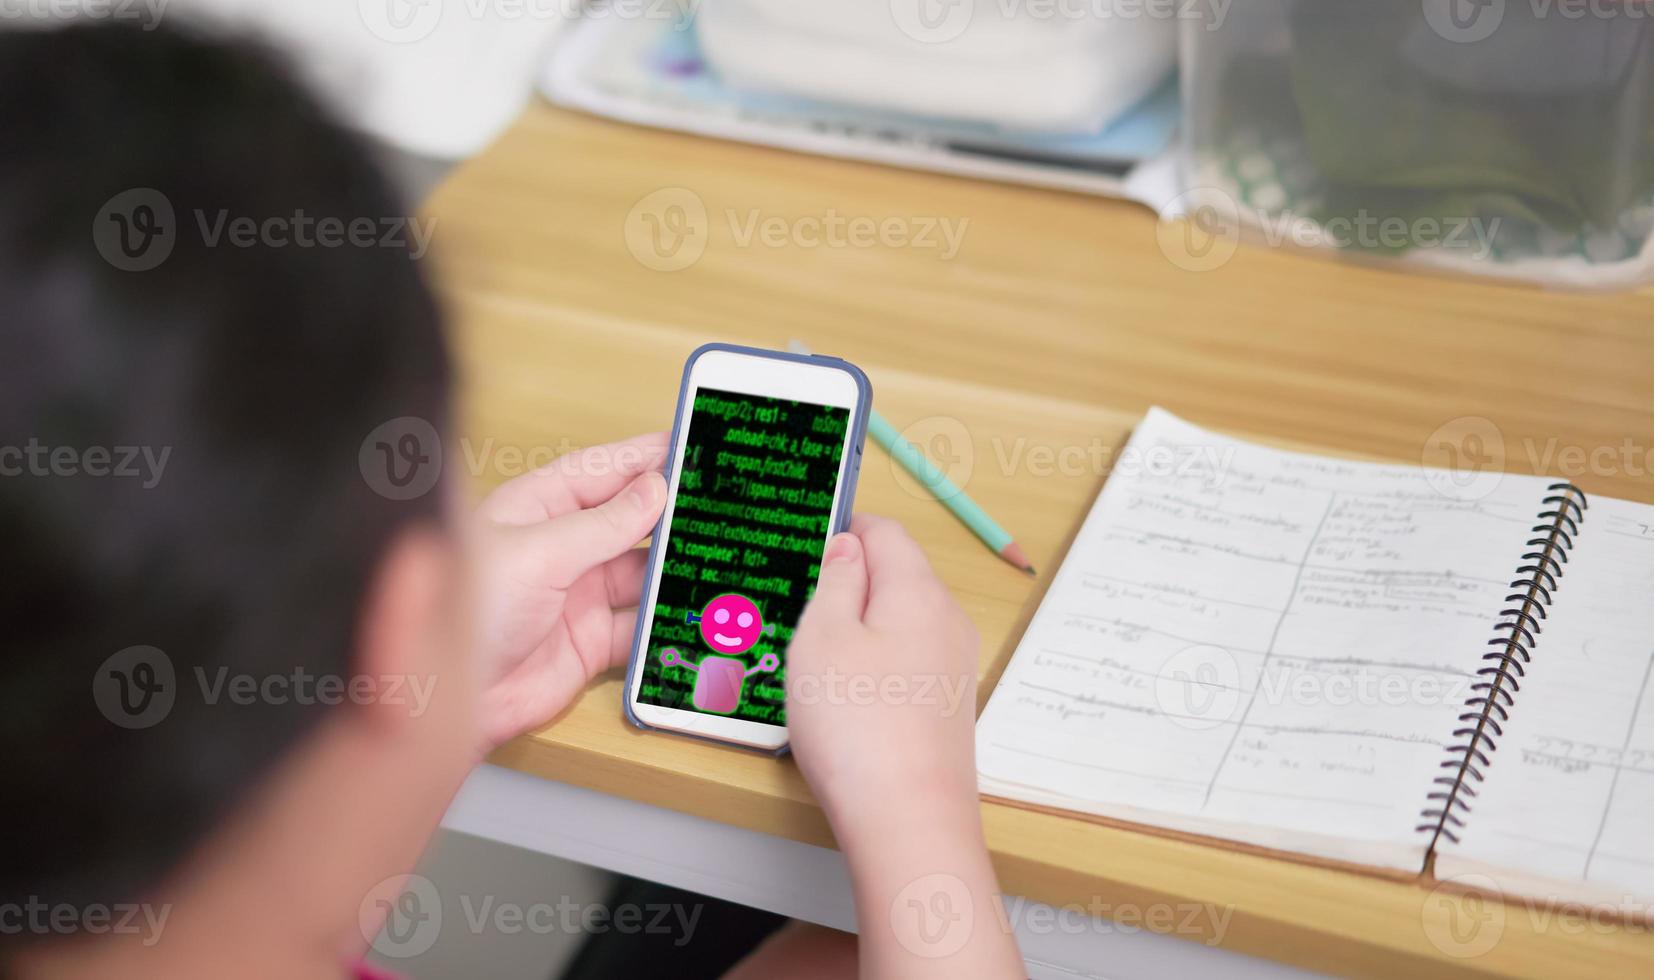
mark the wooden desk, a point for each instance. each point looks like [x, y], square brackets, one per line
[1035, 348]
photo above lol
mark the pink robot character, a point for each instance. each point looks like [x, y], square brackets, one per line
[730, 624]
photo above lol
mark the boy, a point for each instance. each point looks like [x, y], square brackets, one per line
[184, 510]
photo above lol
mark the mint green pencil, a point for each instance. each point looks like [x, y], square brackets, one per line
[914, 460]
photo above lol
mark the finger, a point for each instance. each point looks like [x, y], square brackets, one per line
[862, 523]
[577, 481]
[897, 570]
[623, 578]
[569, 546]
[623, 638]
[841, 592]
[529, 696]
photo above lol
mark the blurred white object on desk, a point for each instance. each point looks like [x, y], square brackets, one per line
[1052, 68]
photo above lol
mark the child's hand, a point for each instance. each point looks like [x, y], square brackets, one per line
[560, 577]
[881, 703]
[881, 680]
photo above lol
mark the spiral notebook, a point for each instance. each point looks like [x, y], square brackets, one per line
[1340, 661]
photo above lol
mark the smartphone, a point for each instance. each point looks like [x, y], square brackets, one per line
[766, 448]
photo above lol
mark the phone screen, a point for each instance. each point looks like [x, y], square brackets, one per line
[741, 555]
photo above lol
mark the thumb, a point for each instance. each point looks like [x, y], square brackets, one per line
[841, 594]
[573, 544]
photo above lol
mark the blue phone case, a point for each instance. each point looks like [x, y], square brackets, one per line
[841, 519]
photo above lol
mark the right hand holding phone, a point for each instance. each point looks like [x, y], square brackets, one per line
[881, 680]
[881, 707]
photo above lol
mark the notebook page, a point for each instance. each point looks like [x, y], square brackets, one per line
[1263, 646]
[1568, 804]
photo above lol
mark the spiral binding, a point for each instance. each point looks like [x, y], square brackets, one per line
[1488, 708]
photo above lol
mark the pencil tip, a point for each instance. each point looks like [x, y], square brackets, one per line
[1030, 570]
[1014, 554]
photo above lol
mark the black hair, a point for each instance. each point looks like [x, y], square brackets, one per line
[254, 368]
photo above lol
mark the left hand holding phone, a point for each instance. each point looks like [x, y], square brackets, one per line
[559, 576]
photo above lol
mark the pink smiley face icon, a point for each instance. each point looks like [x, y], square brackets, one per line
[731, 624]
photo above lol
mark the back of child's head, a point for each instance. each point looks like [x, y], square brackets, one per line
[183, 409]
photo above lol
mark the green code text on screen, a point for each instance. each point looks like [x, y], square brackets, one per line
[754, 505]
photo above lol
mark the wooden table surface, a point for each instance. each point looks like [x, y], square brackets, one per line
[1024, 358]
